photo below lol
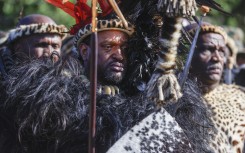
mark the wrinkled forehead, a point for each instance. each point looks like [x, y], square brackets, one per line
[211, 38]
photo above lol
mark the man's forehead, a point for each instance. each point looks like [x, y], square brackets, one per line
[112, 33]
[211, 38]
[113, 36]
[43, 36]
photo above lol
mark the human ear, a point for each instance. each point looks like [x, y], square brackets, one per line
[84, 51]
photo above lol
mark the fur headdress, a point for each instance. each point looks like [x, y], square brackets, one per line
[233, 49]
[102, 25]
[206, 28]
[27, 30]
[232, 46]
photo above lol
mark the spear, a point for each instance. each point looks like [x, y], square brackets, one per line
[205, 10]
[93, 79]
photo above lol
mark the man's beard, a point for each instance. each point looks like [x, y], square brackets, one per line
[113, 77]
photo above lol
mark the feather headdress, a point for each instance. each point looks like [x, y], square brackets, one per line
[82, 13]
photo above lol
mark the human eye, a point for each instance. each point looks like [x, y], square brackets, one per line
[56, 46]
[107, 47]
[222, 52]
[206, 52]
[205, 49]
[41, 44]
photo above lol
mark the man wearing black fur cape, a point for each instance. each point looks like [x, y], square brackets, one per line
[47, 106]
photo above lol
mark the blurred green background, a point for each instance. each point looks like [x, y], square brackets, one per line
[10, 12]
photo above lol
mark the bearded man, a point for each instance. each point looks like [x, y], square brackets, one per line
[50, 112]
[35, 37]
[112, 45]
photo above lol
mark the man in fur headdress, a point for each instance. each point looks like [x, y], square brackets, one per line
[50, 111]
[226, 102]
[36, 36]
[112, 46]
[50, 114]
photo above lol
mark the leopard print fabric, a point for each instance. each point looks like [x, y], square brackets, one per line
[208, 28]
[102, 25]
[227, 103]
[27, 30]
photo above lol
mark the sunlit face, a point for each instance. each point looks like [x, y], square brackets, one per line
[209, 57]
[112, 46]
[37, 46]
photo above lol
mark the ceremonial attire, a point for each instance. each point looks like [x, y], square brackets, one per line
[227, 103]
[49, 113]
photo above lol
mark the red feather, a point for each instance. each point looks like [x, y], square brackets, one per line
[68, 7]
[105, 6]
[81, 11]
[83, 15]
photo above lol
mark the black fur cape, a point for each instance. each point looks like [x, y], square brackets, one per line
[45, 110]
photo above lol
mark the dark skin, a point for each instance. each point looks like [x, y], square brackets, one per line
[37, 45]
[208, 60]
[112, 46]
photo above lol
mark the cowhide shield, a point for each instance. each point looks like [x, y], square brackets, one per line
[157, 133]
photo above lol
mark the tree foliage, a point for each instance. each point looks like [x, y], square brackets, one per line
[10, 13]
[12, 10]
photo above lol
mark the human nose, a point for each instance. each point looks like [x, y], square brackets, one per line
[47, 51]
[216, 55]
[118, 54]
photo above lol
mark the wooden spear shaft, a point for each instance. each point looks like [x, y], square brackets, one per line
[185, 73]
[93, 79]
